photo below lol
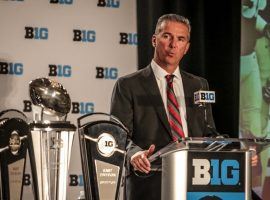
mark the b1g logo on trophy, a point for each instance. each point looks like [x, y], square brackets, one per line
[50, 139]
[13, 149]
[102, 143]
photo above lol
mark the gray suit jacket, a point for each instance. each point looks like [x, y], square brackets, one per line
[137, 102]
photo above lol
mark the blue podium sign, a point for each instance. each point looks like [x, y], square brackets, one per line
[216, 175]
[205, 169]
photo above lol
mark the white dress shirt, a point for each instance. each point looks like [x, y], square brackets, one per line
[178, 91]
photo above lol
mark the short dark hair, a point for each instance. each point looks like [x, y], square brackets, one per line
[173, 18]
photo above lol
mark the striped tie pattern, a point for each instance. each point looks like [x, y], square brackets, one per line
[173, 111]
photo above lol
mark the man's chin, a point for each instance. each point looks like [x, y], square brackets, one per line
[171, 63]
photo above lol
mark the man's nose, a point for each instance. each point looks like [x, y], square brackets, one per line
[173, 43]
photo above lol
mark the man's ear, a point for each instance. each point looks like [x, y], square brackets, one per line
[187, 48]
[154, 40]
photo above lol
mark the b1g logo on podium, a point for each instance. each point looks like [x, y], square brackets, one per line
[219, 174]
[225, 172]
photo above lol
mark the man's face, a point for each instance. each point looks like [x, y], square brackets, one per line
[171, 44]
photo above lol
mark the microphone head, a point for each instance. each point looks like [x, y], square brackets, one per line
[203, 96]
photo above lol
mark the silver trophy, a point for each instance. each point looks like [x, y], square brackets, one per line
[50, 139]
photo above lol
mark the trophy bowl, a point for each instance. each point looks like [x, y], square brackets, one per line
[50, 95]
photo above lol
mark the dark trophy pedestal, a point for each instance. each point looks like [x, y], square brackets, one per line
[102, 143]
[13, 149]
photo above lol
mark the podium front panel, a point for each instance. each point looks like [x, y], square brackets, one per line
[200, 175]
[174, 176]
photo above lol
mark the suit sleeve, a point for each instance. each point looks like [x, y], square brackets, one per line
[122, 107]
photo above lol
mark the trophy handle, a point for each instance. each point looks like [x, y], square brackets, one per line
[96, 116]
[12, 113]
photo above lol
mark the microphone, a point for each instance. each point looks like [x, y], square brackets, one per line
[203, 96]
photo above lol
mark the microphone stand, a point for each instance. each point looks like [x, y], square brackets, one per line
[208, 126]
[214, 132]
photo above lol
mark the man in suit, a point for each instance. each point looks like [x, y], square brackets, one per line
[139, 100]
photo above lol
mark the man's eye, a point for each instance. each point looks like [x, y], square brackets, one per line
[182, 39]
[165, 36]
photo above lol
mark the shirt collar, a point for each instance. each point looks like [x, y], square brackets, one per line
[160, 73]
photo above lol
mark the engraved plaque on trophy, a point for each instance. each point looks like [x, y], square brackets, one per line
[102, 144]
[50, 139]
[13, 149]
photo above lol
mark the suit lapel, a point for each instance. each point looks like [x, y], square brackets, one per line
[149, 83]
[189, 89]
[188, 94]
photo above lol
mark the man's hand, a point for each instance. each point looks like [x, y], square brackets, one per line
[266, 92]
[140, 162]
[266, 30]
[254, 160]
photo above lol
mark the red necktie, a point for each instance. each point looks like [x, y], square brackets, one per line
[173, 111]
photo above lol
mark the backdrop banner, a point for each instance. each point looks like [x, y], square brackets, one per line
[85, 45]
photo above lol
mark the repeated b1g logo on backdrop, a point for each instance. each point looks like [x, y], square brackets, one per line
[14, 0]
[36, 33]
[76, 107]
[11, 68]
[128, 38]
[82, 107]
[82, 35]
[75, 180]
[106, 72]
[60, 70]
[66, 2]
[109, 3]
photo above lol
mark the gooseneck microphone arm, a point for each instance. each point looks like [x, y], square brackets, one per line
[214, 132]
